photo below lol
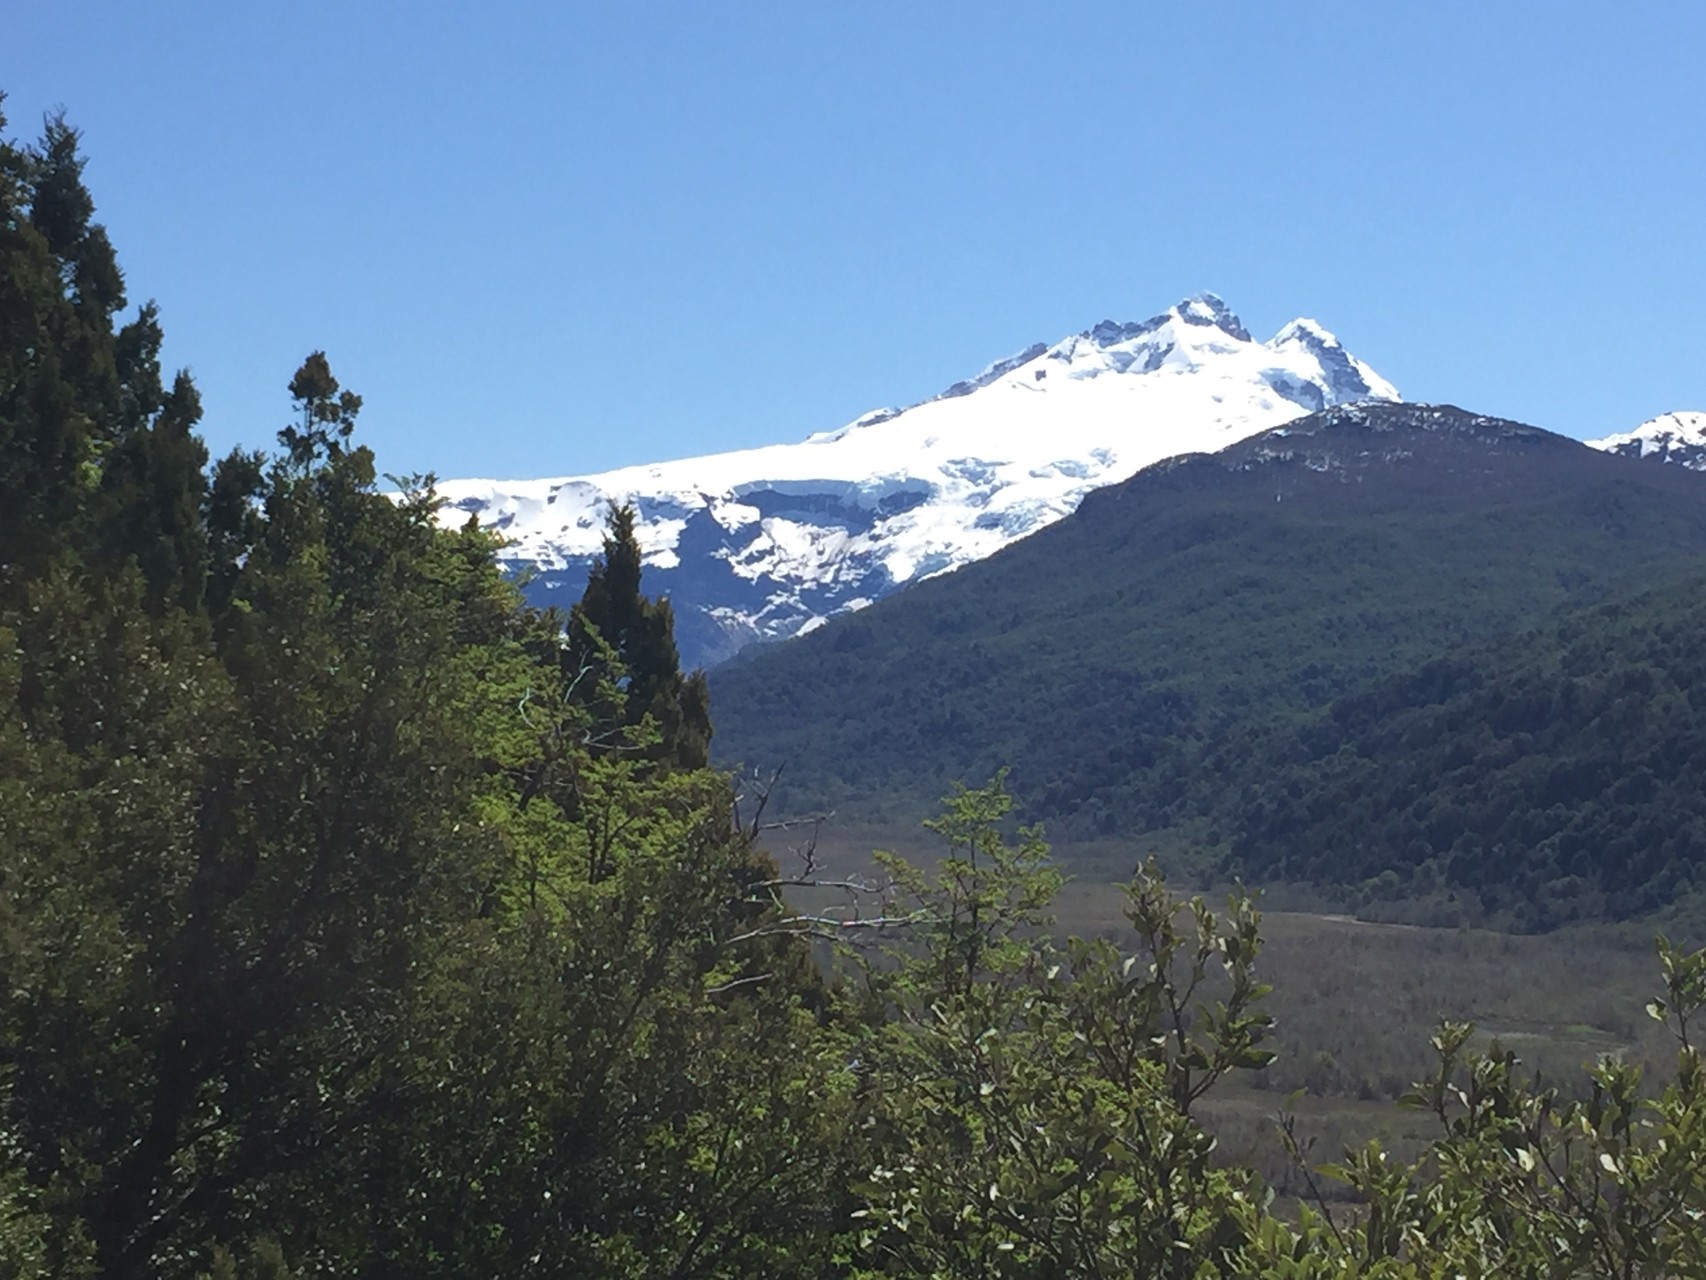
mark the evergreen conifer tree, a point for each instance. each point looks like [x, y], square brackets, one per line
[616, 633]
[45, 413]
[97, 459]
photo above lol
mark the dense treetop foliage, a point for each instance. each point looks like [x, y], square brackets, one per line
[356, 920]
[340, 914]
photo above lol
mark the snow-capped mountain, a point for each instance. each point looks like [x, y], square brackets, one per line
[1679, 438]
[766, 543]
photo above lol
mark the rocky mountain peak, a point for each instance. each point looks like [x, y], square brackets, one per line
[1678, 437]
[1207, 308]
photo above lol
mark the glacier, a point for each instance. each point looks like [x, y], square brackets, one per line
[762, 544]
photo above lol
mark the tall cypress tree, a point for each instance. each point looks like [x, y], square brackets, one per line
[617, 632]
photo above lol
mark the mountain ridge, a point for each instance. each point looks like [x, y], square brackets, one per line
[766, 543]
[1678, 437]
[1105, 656]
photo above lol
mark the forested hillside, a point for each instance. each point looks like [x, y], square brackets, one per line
[356, 920]
[1106, 657]
[1557, 775]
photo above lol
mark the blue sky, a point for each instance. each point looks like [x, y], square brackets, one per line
[557, 237]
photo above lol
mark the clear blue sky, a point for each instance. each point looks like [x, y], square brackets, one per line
[557, 237]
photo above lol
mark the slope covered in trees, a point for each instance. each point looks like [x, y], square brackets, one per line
[1554, 776]
[1107, 656]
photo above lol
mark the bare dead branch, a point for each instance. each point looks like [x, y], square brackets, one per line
[831, 928]
[749, 981]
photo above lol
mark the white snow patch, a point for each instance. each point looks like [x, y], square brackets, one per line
[1680, 433]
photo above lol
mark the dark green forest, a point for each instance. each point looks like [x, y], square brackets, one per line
[358, 920]
[1554, 776]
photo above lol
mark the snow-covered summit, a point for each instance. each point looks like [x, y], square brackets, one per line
[1678, 438]
[764, 543]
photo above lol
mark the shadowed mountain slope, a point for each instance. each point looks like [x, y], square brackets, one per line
[1109, 656]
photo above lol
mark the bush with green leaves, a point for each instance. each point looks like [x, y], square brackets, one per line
[1033, 1102]
[1523, 1181]
[343, 929]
